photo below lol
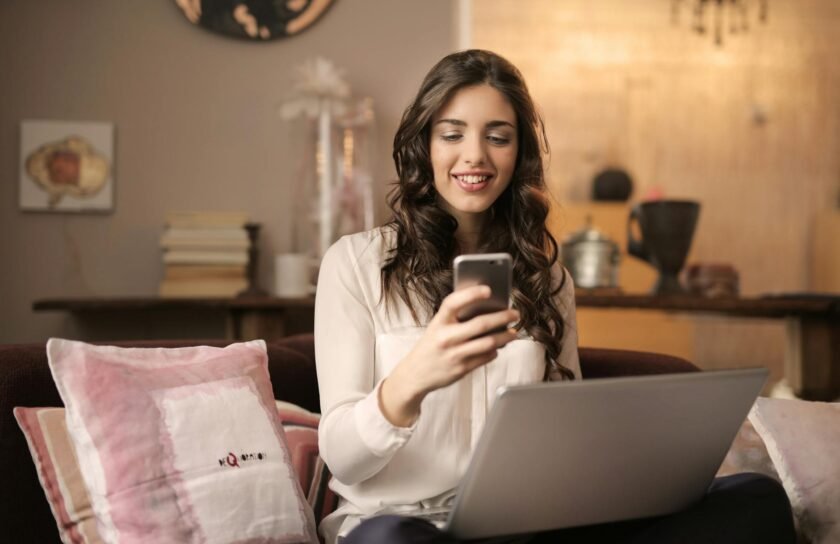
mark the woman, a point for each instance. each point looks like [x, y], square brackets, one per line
[405, 387]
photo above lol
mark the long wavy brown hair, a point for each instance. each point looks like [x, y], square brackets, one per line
[419, 269]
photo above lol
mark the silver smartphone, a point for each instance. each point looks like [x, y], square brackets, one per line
[491, 269]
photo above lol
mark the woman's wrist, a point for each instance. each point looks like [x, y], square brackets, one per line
[399, 402]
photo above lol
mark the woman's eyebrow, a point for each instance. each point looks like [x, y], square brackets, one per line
[494, 124]
[490, 124]
[451, 122]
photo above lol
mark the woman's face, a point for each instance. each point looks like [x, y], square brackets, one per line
[473, 150]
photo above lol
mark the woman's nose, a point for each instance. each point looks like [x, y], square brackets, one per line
[474, 152]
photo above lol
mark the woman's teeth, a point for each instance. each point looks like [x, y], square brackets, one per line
[472, 180]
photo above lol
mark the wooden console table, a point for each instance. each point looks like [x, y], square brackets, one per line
[247, 318]
[812, 361]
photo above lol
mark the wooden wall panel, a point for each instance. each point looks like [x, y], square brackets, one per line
[750, 129]
[825, 252]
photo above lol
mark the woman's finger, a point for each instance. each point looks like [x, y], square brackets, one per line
[479, 360]
[460, 299]
[481, 325]
[482, 345]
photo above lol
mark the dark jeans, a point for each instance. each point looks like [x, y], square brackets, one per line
[742, 508]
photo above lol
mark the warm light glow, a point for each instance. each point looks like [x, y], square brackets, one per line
[348, 154]
[319, 160]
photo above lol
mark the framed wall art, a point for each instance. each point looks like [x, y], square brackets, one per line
[258, 20]
[66, 166]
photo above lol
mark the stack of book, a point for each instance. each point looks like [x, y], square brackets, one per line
[205, 254]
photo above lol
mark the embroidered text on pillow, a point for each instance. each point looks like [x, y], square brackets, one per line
[232, 459]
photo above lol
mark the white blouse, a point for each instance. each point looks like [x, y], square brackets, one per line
[378, 467]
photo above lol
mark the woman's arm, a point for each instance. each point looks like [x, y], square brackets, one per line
[355, 439]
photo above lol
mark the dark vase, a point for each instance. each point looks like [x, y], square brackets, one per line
[612, 184]
[667, 228]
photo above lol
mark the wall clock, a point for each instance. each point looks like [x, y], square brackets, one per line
[254, 19]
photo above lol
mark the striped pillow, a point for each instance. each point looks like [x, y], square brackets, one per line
[58, 467]
[59, 473]
[301, 427]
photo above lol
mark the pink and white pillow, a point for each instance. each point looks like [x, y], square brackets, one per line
[61, 478]
[58, 467]
[180, 444]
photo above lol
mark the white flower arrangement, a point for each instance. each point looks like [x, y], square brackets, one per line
[342, 197]
[318, 84]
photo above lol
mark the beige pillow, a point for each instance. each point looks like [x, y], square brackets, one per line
[748, 454]
[803, 440]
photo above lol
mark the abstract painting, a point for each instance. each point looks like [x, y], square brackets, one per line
[66, 166]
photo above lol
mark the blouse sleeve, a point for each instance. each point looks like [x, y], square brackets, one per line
[354, 438]
[569, 347]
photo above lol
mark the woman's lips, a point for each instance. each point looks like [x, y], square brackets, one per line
[472, 183]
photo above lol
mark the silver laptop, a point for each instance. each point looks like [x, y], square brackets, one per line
[556, 455]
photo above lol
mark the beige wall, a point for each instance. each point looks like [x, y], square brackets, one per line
[195, 129]
[752, 129]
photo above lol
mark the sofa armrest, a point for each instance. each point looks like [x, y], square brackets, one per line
[605, 363]
[291, 365]
[25, 380]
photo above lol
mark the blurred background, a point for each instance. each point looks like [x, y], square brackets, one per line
[746, 122]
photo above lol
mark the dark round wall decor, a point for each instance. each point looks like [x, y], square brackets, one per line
[254, 19]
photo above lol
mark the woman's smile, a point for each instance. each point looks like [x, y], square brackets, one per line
[473, 181]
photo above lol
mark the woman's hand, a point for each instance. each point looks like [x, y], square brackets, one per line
[447, 351]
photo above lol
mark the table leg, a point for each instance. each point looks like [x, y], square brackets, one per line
[233, 326]
[812, 361]
[246, 325]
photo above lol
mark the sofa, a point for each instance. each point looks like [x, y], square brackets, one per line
[25, 380]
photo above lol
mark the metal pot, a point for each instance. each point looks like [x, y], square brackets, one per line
[591, 258]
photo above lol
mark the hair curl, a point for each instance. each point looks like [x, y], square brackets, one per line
[425, 233]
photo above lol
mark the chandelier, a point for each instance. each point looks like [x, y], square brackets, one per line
[720, 16]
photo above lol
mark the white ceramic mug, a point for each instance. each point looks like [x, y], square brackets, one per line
[291, 275]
